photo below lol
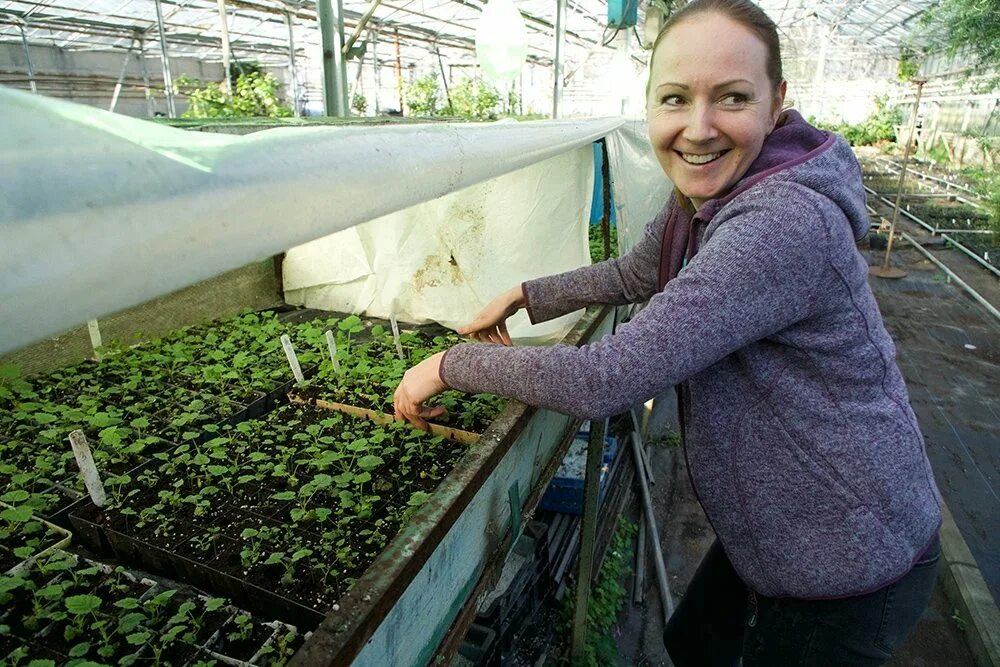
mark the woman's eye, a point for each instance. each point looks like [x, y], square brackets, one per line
[735, 99]
[671, 100]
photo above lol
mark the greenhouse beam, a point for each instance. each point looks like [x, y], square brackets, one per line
[331, 25]
[557, 86]
[27, 60]
[224, 30]
[168, 86]
[121, 77]
[291, 64]
[145, 74]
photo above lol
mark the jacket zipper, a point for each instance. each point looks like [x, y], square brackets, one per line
[753, 609]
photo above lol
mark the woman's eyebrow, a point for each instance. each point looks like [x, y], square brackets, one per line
[724, 84]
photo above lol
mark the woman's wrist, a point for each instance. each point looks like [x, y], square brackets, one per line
[517, 297]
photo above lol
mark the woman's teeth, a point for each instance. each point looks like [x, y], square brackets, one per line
[692, 158]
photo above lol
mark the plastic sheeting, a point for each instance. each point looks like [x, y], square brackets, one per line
[640, 187]
[443, 260]
[100, 212]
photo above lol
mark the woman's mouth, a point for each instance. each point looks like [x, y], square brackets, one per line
[699, 159]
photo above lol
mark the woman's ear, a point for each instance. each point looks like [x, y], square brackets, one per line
[779, 103]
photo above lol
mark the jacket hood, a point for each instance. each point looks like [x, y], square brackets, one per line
[821, 161]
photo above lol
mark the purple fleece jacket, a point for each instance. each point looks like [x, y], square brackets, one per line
[801, 442]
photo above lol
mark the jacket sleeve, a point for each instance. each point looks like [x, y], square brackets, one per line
[628, 279]
[754, 277]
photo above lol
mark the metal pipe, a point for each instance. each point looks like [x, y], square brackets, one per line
[331, 25]
[121, 77]
[168, 84]
[644, 459]
[27, 59]
[224, 23]
[606, 200]
[362, 24]
[378, 76]
[639, 586]
[557, 65]
[588, 534]
[291, 64]
[961, 283]
[653, 534]
[444, 78]
[399, 74]
[145, 74]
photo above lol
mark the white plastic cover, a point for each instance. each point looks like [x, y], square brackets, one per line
[88, 197]
[443, 260]
[641, 189]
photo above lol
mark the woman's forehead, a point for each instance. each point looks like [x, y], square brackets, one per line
[706, 47]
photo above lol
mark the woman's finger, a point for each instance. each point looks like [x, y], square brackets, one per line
[504, 335]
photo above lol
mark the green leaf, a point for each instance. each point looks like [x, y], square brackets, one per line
[8, 584]
[275, 558]
[284, 495]
[127, 603]
[138, 638]
[79, 650]
[214, 603]
[370, 462]
[130, 622]
[20, 514]
[82, 604]
[16, 496]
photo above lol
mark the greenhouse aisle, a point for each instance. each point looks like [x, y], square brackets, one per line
[686, 536]
[947, 348]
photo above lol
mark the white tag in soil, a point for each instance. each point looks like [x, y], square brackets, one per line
[85, 459]
[293, 361]
[332, 345]
[395, 336]
[95, 337]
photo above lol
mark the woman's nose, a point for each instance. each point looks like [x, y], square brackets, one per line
[700, 124]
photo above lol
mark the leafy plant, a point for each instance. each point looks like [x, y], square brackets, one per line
[474, 100]
[421, 96]
[254, 95]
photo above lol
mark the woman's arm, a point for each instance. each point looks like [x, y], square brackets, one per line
[756, 276]
[628, 279]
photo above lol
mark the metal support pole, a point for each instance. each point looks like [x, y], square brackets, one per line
[399, 74]
[886, 271]
[291, 64]
[626, 49]
[27, 60]
[591, 489]
[652, 534]
[331, 25]
[121, 77]
[145, 74]
[224, 24]
[444, 78]
[378, 77]
[557, 66]
[168, 83]
[362, 24]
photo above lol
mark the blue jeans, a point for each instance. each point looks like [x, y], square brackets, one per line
[720, 620]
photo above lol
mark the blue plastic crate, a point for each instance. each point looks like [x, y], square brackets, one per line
[565, 492]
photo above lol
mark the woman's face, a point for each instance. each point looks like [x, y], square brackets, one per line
[710, 104]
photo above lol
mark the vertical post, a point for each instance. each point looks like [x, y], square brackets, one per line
[27, 60]
[145, 74]
[886, 271]
[378, 77]
[331, 25]
[444, 78]
[399, 73]
[626, 49]
[585, 572]
[168, 84]
[291, 64]
[557, 86]
[224, 24]
[121, 77]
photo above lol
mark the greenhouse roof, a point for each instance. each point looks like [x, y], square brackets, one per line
[259, 28]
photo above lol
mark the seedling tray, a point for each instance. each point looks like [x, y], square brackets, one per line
[60, 539]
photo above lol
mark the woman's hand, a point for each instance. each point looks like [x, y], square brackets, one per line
[419, 384]
[490, 325]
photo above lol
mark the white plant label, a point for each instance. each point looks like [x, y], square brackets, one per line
[332, 345]
[85, 459]
[293, 361]
[395, 336]
[95, 337]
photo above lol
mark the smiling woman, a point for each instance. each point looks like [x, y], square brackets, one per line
[796, 423]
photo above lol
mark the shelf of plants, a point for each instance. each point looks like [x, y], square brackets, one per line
[288, 510]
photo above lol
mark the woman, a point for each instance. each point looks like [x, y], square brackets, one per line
[801, 444]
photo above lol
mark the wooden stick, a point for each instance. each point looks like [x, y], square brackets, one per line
[458, 435]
